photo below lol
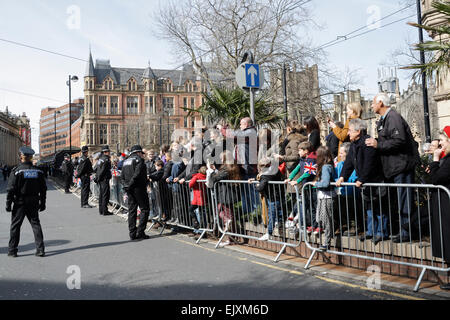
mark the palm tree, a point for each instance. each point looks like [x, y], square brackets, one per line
[440, 61]
[231, 105]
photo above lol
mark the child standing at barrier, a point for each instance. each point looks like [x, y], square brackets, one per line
[325, 194]
[347, 213]
[305, 172]
[227, 195]
[273, 193]
[162, 191]
[198, 202]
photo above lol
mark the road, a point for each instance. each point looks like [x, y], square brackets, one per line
[164, 267]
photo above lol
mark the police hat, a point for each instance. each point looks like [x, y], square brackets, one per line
[105, 149]
[136, 148]
[26, 151]
[84, 149]
[66, 155]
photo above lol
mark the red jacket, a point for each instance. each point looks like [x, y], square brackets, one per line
[198, 188]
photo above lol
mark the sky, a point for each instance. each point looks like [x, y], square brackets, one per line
[123, 31]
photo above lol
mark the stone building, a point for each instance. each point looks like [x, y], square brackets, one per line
[303, 94]
[15, 132]
[410, 105]
[341, 101]
[441, 94]
[125, 106]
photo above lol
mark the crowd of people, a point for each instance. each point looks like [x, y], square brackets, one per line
[294, 158]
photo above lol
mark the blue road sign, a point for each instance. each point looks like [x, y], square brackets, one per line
[252, 75]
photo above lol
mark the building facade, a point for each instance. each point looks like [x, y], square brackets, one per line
[341, 101]
[431, 17]
[15, 132]
[410, 105]
[126, 106]
[54, 127]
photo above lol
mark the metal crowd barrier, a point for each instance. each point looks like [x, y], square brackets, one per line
[234, 219]
[351, 208]
[178, 209]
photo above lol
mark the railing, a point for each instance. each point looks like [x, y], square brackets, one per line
[242, 213]
[377, 211]
[236, 209]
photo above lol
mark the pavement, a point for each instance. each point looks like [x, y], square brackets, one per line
[89, 256]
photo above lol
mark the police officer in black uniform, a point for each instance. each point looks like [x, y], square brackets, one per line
[102, 177]
[84, 172]
[134, 181]
[67, 171]
[28, 191]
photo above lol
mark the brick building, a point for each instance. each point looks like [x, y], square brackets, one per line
[125, 106]
[47, 134]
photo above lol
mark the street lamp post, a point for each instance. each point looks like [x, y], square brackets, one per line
[74, 79]
[56, 112]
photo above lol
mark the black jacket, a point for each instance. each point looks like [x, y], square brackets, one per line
[134, 173]
[67, 168]
[227, 193]
[26, 185]
[365, 160]
[84, 167]
[103, 172]
[272, 192]
[314, 138]
[333, 144]
[440, 172]
[150, 164]
[398, 150]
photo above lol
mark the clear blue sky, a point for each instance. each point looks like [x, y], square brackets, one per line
[122, 31]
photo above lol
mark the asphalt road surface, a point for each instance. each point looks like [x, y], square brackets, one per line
[89, 256]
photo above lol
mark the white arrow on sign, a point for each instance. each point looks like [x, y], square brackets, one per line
[253, 73]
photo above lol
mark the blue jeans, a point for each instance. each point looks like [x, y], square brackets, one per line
[275, 212]
[249, 196]
[200, 214]
[405, 200]
[376, 227]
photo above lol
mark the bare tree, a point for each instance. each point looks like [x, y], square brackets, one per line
[219, 32]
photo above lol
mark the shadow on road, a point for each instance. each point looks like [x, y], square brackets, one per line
[32, 246]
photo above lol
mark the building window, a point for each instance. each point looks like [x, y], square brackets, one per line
[114, 105]
[90, 133]
[168, 105]
[185, 102]
[185, 122]
[103, 134]
[114, 134]
[91, 105]
[132, 105]
[102, 106]
[91, 85]
[147, 105]
[192, 102]
[152, 105]
[192, 122]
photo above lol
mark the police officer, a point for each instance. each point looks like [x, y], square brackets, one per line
[28, 191]
[84, 172]
[103, 175]
[67, 171]
[134, 181]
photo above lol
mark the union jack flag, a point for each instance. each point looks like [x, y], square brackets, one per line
[115, 173]
[311, 168]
